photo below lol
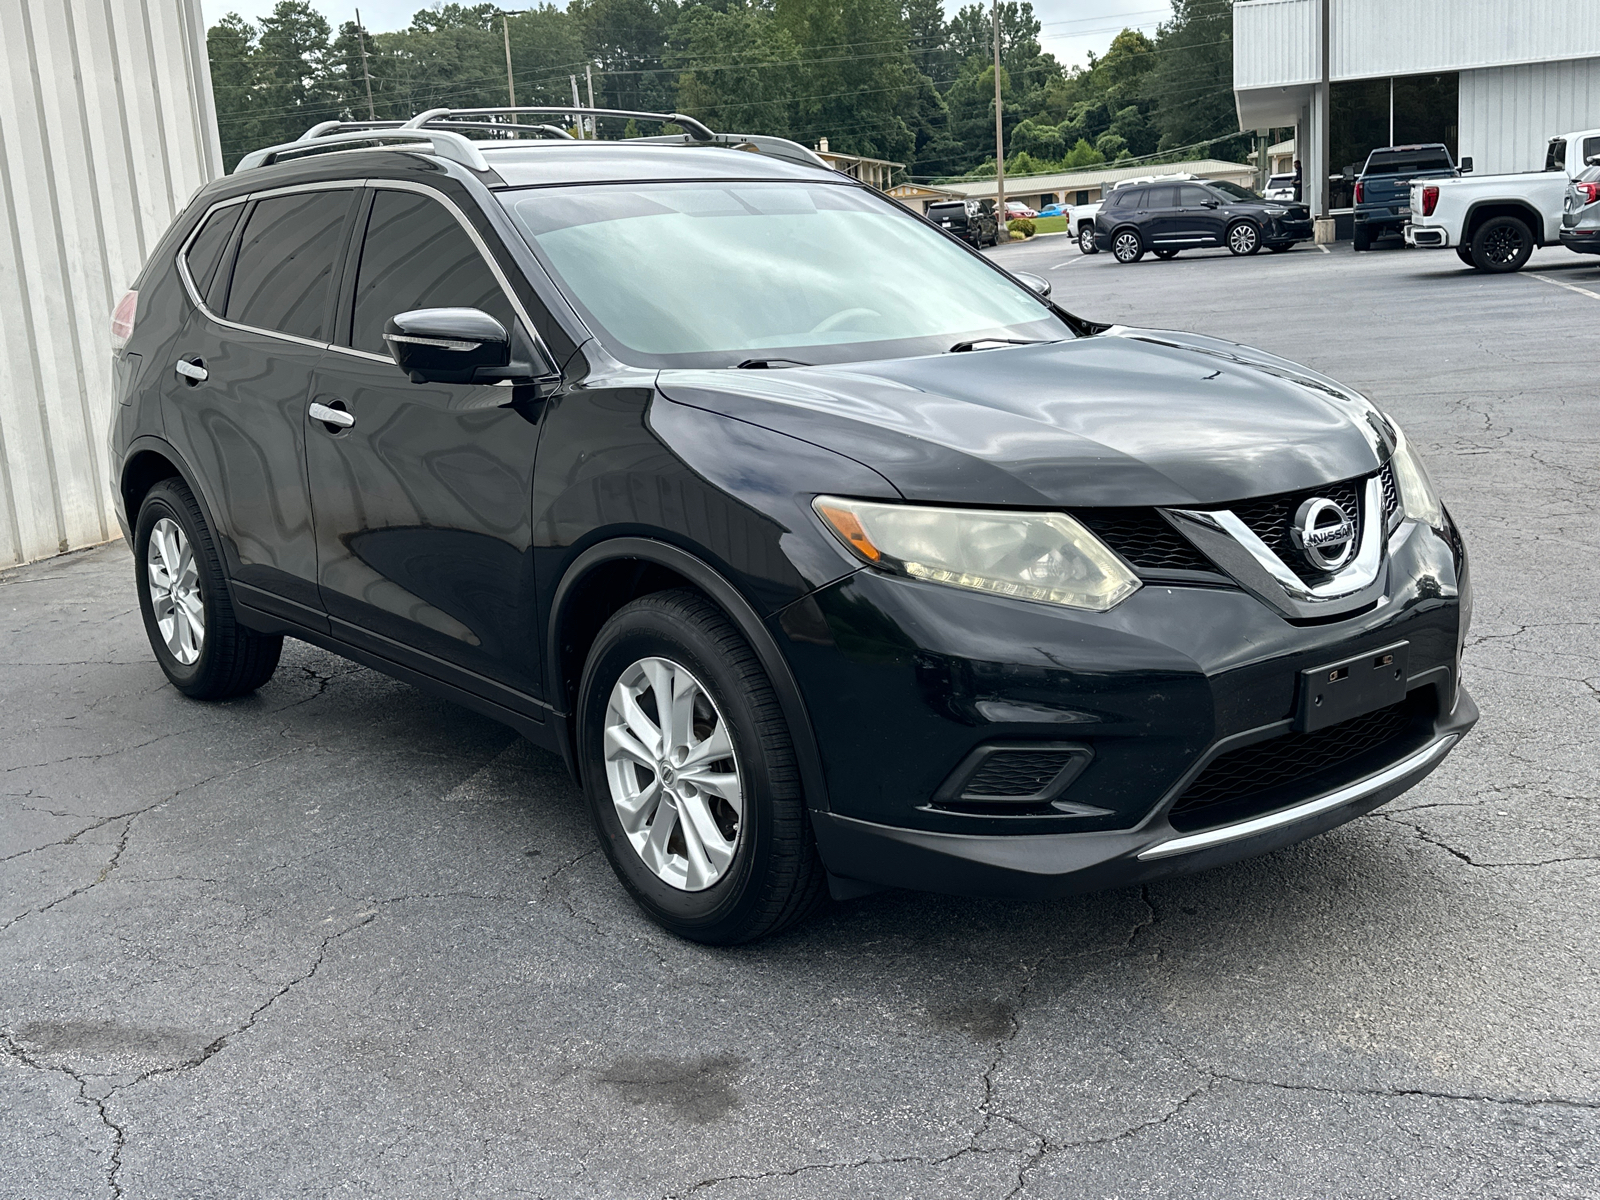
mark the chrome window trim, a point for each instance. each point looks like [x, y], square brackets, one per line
[331, 185]
[1188, 843]
[326, 185]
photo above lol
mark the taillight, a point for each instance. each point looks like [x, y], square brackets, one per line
[1430, 200]
[122, 320]
[1361, 191]
[1591, 191]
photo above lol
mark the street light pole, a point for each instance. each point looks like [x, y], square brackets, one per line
[1002, 234]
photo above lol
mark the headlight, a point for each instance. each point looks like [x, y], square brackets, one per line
[1275, 212]
[1030, 556]
[1418, 501]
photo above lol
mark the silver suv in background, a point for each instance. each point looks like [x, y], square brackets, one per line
[1580, 216]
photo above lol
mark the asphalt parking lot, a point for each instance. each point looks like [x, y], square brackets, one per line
[342, 939]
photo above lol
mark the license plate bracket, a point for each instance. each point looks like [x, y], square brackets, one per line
[1352, 686]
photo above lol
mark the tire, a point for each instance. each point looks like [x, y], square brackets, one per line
[1243, 239]
[1501, 245]
[1280, 247]
[756, 870]
[1086, 240]
[1127, 246]
[1464, 253]
[1165, 254]
[202, 648]
[1361, 240]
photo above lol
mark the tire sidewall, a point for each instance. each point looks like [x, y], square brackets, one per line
[1480, 258]
[1117, 249]
[1086, 241]
[1255, 233]
[642, 633]
[164, 502]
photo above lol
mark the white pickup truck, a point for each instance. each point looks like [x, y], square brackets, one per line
[1495, 222]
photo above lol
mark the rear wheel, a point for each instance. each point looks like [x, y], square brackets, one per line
[183, 598]
[691, 776]
[1166, 254]
[1086, 240]
[1127, 246]
[1244, 238]
[1501, 244]
[1361, 239]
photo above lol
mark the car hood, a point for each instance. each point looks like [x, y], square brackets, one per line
[1126, 417]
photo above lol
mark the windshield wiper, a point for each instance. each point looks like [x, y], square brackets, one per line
[763, 363]
[985, 343]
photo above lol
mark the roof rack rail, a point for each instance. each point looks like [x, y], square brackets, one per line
[441, 142]
[694, 132]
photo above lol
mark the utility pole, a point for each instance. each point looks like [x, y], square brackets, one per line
[576, 103]
[361, 33]
[594, 122]
[511, 83]
[1002, 233]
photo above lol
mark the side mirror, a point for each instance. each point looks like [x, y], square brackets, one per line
[1035, 283]
[1466, 165]
[1213, 203]
[462, 345]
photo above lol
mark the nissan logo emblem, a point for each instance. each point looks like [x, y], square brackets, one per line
[1324, 533]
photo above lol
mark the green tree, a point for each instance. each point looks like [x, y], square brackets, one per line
[230, 44]
[1191, 84]
[292, 58]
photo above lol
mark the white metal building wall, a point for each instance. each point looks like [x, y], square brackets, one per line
[106, 129]
[1509, 114]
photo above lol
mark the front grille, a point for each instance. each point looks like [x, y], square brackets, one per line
[1271, 517]
[1235, 778]
[1015, 773]
[1144, 539]
[1391, 493]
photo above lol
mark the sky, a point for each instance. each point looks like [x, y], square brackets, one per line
[1071, 29]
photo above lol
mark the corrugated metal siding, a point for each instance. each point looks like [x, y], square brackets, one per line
[106, 129]
[1276, 42]
[1509, 114]
[1379, 37]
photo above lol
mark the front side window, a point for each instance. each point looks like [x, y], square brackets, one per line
[1232, 193]
[416, 255]
[1190, 196]
[712, 274]
[285, 263]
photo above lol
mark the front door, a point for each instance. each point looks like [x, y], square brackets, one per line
[242, 371]
[422, 504]
[1203, 220]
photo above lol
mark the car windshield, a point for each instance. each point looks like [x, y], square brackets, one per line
[1407, 162]
[1233, 191]
[714, 274]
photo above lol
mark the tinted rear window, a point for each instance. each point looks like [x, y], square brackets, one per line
[285, 263]
[1407, 162]
[205, 252]
[1127, 197]
[947, 210]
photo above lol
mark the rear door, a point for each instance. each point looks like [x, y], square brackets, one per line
[1160, 217]
[242, 371]
[423, 504]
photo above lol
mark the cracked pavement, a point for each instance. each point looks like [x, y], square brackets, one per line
[343, 938]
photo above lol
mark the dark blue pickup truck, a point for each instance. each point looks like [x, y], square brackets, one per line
[1383, 189]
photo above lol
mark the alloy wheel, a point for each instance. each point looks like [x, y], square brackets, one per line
[1502, 244]
[1243, 238]
[1086, 241]
[1127, 247]
[174, 582]
[673, 774]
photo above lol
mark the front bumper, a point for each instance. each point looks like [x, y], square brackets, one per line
[1581, 241]
[1426, 237]
[904, 681]
[1283, 230]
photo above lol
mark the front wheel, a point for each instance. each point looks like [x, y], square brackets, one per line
[1127, 247]
[1165, 254]
[1501, 244]
[690, 774]
[1280, 247]
[1086, 241]
[183, 598]
[1244, 238]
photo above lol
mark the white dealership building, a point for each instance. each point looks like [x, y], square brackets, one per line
[1493, 79]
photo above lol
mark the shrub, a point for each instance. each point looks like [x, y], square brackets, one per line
[1020, 227]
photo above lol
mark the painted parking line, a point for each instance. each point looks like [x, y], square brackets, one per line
[1321, 247]
[1068, 263]
[1571, 287]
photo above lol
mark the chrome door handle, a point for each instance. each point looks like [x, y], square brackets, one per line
[332, 416]
[191, 370]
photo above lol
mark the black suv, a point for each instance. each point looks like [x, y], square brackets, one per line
[1168, 217]
[829, 555]
[972, 221]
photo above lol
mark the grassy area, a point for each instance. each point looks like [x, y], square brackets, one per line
[1049, 224]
